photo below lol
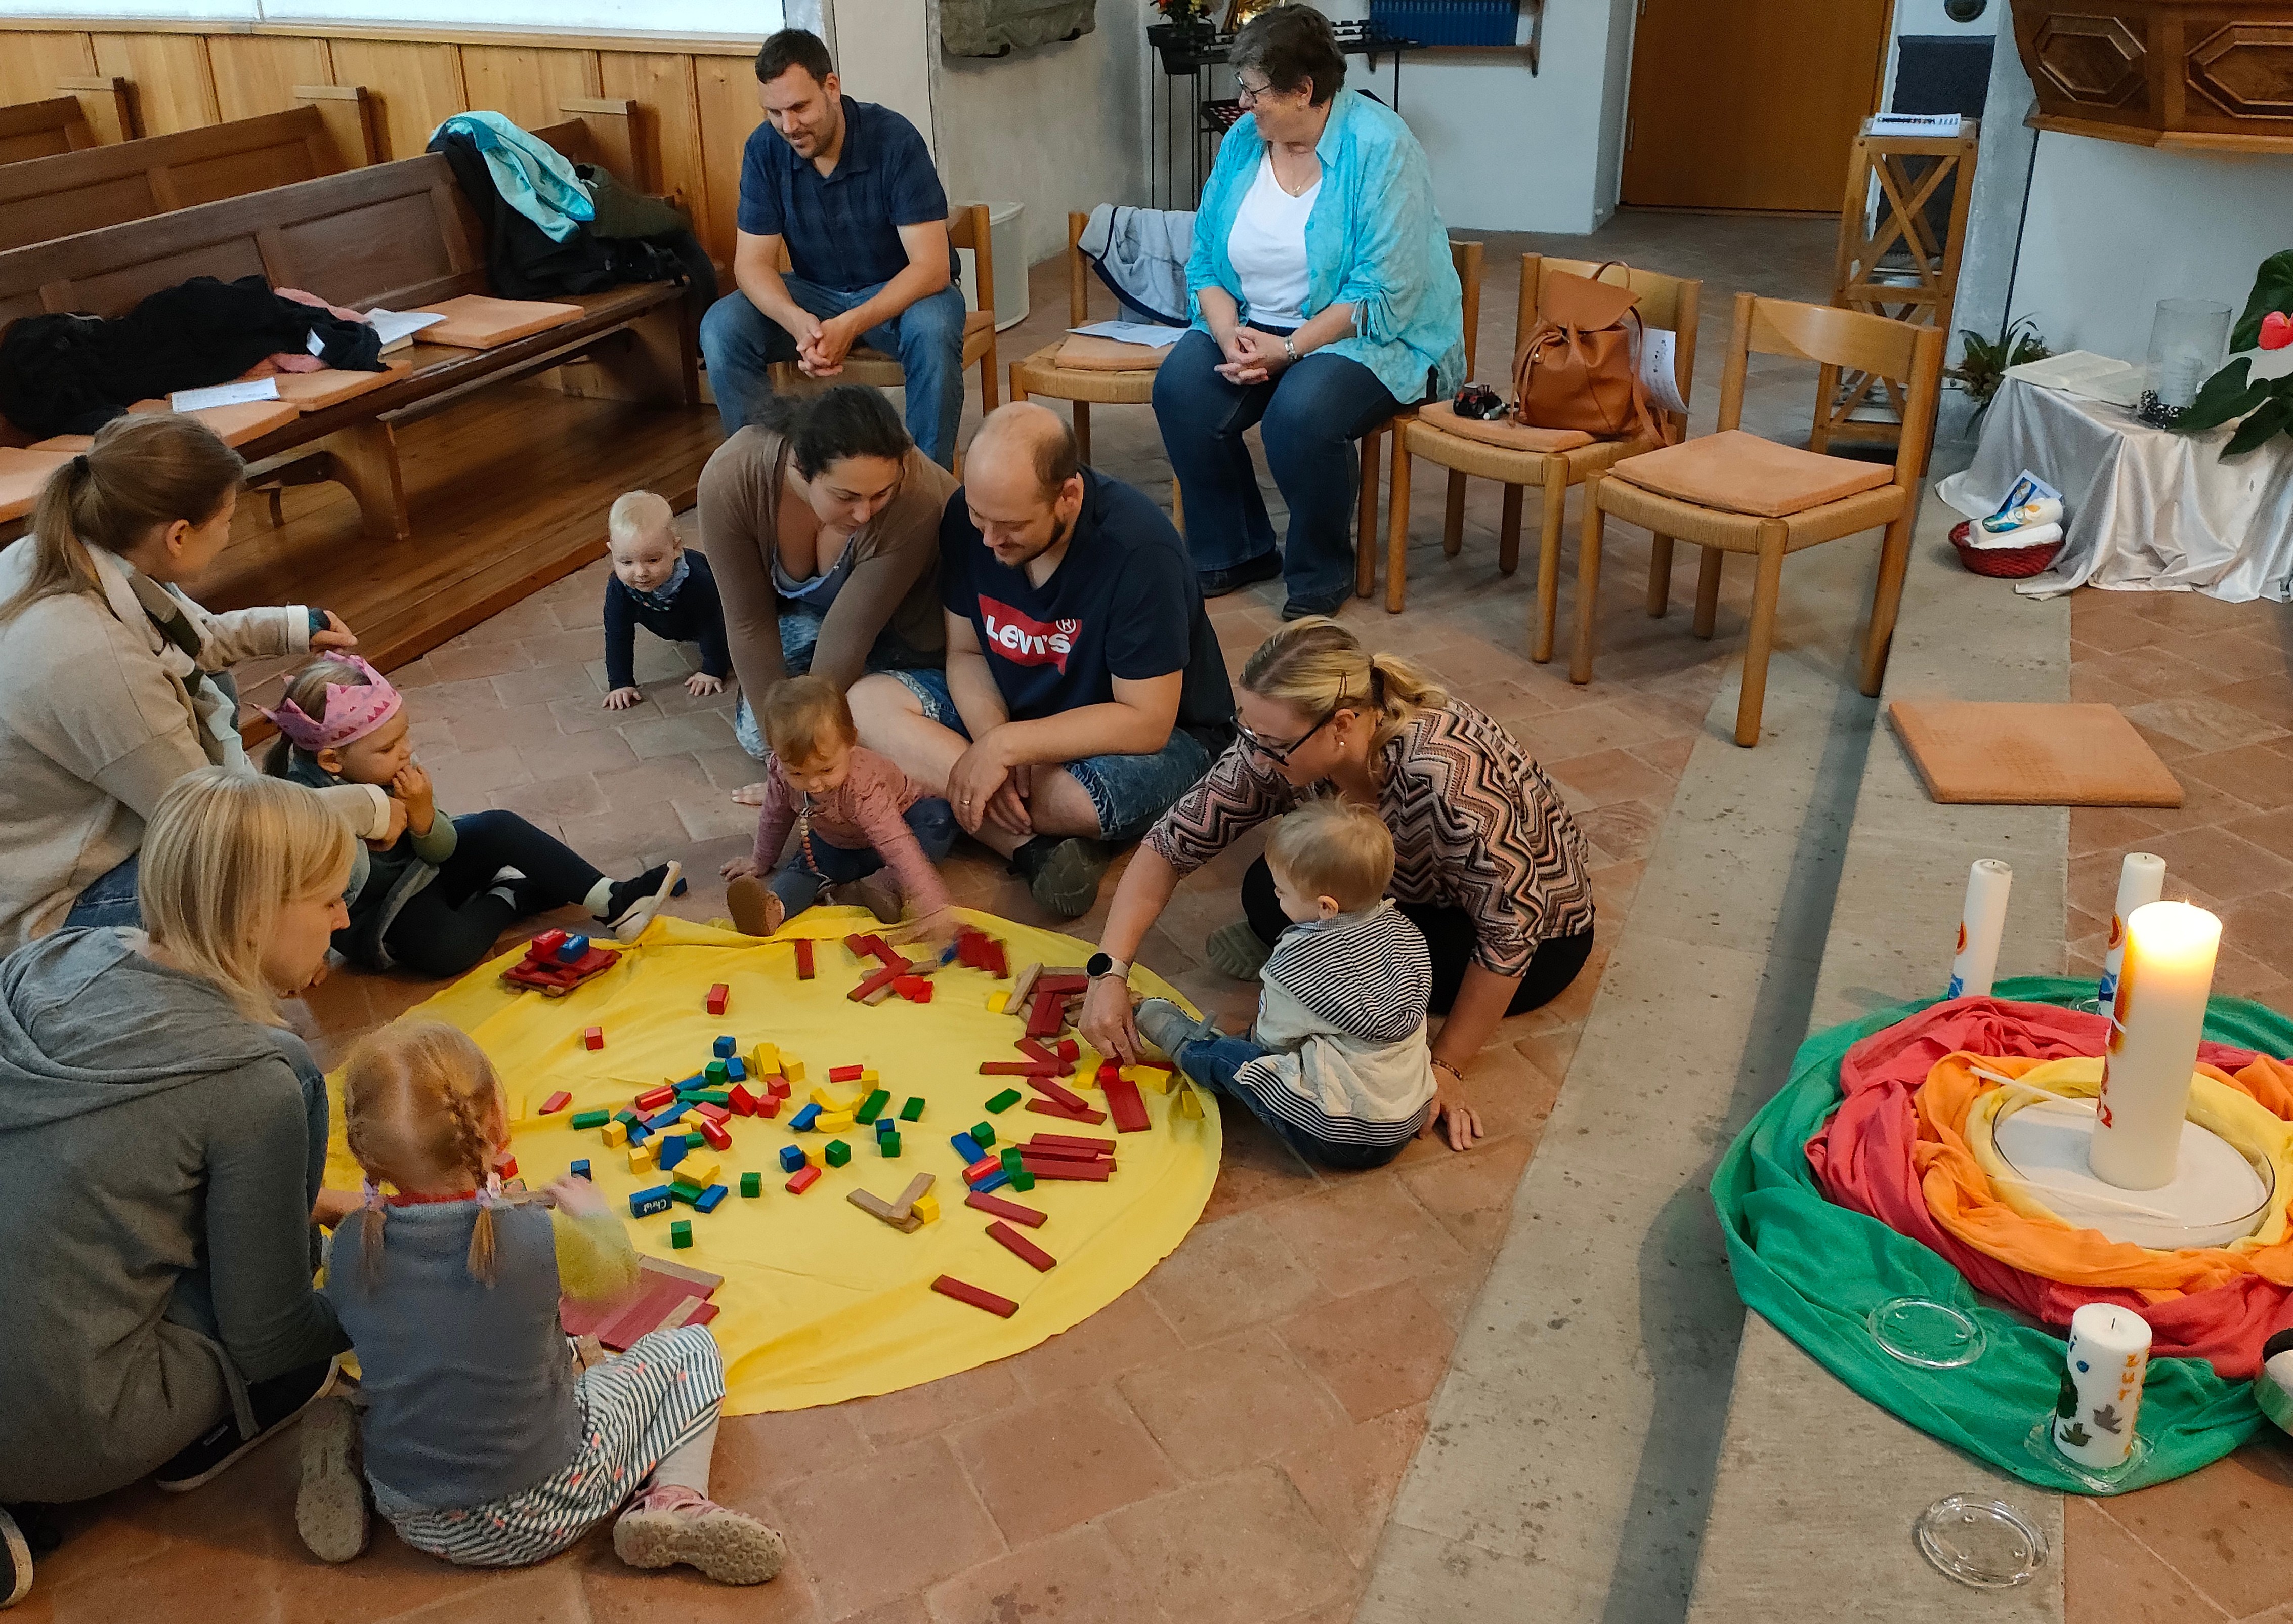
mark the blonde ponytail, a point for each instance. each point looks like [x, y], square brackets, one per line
[1316, 666]
[416, 1099]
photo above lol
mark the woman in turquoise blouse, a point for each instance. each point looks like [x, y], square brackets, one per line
[1324, 301]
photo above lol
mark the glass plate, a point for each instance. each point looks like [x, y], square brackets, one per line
[1983, 1543]
[1920, 1331]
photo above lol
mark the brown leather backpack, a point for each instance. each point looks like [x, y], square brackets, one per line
[1580, 368]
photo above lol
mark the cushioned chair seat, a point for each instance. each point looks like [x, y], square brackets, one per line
[1503, 432]
[1740, 473]
[1084, 353]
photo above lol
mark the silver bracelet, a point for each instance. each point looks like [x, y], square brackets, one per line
[1290, 346]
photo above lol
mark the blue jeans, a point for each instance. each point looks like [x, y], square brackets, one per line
[797, 883]
[800, 624]
[740, 341]
[1214, 1060]
[110, 898]
[1128, 792]
[1310, 417]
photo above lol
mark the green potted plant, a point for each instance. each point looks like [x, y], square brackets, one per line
[2266, 404]
[1982, 362]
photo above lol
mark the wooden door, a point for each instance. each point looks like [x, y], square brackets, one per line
[1750, 104]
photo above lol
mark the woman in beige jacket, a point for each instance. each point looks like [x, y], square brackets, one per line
[117, 682]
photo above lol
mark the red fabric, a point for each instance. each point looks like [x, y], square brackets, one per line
[1863, 1159]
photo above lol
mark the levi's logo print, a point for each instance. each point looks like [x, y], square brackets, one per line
[1025, 640]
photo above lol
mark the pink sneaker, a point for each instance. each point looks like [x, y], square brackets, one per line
[670, 1523]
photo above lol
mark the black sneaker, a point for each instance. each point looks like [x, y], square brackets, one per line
[1062, 872]
[276, 1402]
[1218, 583]
[15, 1561]
[1295, 610]
[631, 904]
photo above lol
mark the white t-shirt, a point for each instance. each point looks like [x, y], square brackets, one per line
[1267, 248]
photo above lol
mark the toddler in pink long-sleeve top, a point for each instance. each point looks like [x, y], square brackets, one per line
[859, 821]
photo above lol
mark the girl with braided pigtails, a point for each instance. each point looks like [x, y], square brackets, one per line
[482, 1444]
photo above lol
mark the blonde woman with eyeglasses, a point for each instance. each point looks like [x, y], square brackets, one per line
[1487, 862]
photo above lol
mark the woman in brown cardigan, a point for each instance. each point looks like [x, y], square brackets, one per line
[821, 522]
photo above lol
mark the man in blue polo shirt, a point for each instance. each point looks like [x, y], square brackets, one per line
[849, 187]
[1084, 689]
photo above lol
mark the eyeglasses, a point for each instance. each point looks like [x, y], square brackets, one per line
[1247, 96]
[1280, 754]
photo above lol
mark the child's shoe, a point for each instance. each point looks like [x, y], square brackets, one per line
[880, 894]
[1237, 951]
[669, 1523]
[631, 904]
[330, 1510]
[756, 910]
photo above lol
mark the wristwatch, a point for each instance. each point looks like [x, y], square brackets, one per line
[1289, 346]
[1104, 964]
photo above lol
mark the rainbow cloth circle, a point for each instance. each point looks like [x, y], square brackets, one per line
[821, 1302]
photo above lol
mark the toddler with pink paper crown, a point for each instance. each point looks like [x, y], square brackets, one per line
[435, 900]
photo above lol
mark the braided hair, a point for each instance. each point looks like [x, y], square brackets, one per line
[420, 1100]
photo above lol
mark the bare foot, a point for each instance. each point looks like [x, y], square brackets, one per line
[752, 795]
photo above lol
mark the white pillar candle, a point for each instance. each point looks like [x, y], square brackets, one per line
[2101, 1386]
[2141, 880]
[2155, 1024]
[1980, 923]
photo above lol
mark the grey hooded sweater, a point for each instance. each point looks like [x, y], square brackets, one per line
[154, 1214]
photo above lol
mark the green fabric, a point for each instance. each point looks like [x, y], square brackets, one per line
[1817, 1270]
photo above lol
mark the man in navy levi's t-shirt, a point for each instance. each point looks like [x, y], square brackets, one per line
[848, 189]
[1084, 689]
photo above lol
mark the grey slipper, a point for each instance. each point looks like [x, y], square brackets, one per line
[330, 1509]
[730, 1547]
[1236, 950]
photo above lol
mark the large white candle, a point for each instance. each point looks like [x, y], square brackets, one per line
[1980, 923]
[2101, 1386]
[2155, 1025]
[2141, 880]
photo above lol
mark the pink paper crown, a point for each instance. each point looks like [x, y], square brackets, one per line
[353, 711]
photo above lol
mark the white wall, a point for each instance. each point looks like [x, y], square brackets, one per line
[735, 16]
[881, 56]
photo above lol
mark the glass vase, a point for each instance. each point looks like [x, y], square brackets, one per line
[2187, 339]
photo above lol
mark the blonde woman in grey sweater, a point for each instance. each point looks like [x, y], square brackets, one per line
[117, 682]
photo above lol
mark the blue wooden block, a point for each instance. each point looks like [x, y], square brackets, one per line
[966, 1147]
[572, 950]
[581, 1169]
[803, 1120]
[993, 1181]
[887, 1124]
[710, 1198]
[644, 1203]
[672, 1151]
[736, 1069]
[725, 1047]
[791, 1158]
[638, 1134]
[662, 1118]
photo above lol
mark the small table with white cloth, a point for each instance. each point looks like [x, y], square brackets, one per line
[2148, 510]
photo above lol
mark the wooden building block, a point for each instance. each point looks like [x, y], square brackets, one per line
[556, 1103]
[1026, 1250]
[644, 1203]
[913, 1111]
[1122, 1101]
[803, 959]
[1004, 1101]
[1053, 1107]
[719, 996]
[592, 1119]
[872, 1107]
[752, 1185]
[919, 1187]
[926, 1207]
[1002, 1208]
[947, 1285]
[806, 1176]
[592, 1038]
[836, 1153]
[876, 1206]
[680, 1233]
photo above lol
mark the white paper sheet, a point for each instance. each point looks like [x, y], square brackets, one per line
[1658, 375]
[2082, 372]
[1913, 124]
[1154, 335]
[399, 327]
[223, 394]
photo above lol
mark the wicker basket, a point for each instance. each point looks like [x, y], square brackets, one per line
[2002, 563]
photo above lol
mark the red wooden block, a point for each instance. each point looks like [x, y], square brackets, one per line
[804, 958]
[593, 1037]
[1109, 1068]
[1061, 983]
[1047, 1015]
[1067, 1050]
[508, 1168]
[1023, 1248]
[1053, 1107]
[1122, 1100]
[986, 1167]
[653, 1099]
[1069, 1142]
[845, 1074]
[1094, 1172]
[881, 982]
[993, 961]
[559, 1101]
[715, 1134]
[1061, 1152]
[947, 1285]
[860, 946]
[1019, 1068]
[921, 995]
[717, 997]
[743, 1103]
[1002, 1209]
[967, 948]
[777, 1086]
[718, 1114]
[548, 941]
[1037, 1052]
[1059, 1093]
[770, 1105]
[805, 1177]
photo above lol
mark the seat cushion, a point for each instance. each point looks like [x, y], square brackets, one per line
[1501, 432]
[1738, 472]
[235, 425]
[22, 472]
[476, 321]
[1084, 353]
[313, 392]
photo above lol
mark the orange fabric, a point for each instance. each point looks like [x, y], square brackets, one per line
[1959, 1194]
[1501, 432]
[1742, 473]
[1085, 353]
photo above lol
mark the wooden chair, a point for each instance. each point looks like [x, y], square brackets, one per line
[1704, 491]
[1040, 373]
[1466, 257]
[1666, 302]
[966, 228]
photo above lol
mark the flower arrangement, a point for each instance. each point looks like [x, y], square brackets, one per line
[2266, 404]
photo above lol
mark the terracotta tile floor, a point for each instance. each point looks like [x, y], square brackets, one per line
[2207, 684]
[1223, 1442]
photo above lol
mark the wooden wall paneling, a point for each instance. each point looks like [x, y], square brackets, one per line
[257, 73]
[726, 89]
[353, 123]
[524, 85]
[32, 66]
[668, 120]
[106, 105]
[172, 85]
[417, 87]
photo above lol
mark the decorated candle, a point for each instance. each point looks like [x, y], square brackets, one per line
[1980, 923]
[2141, 880]
[2154, 1027]
[2101, 1386]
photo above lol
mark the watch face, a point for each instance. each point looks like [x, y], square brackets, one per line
[1098, 964]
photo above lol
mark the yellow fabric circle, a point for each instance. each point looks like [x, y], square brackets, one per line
[821, 1302]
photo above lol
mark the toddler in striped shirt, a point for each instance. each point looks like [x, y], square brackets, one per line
[1338, 1063]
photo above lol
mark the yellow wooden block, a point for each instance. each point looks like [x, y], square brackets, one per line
[764, 1059]
[691, 1118]
[698, 1170]
[833, 1121]
[826, 1097]
[1086, 1076]
[996, 1001]
[792, 1069]
[1150, 1077]
[1190, 1106]
[617, 1134]
[641, 1157]
[926, 1207]
[813, 1156]
[867, 1082]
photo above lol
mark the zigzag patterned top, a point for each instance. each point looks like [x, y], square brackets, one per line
[1476, 825]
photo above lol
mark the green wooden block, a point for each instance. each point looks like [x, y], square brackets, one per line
[872, 1107]
[1012, 1162]
[1004, 1101]
[752, 1185]
[1023, 1180]
[627, 1117]
[889, 1145]
[713, 1096]
[680, 1233]
[837, 1154]
[690, 1195]
[984, 1134]
[592, 1119]
[717, 1073]
[913, 1111]
[693, 1141]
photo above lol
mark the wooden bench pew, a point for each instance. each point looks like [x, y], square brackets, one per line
[42, 198]
[391, 236]
[41, 129]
